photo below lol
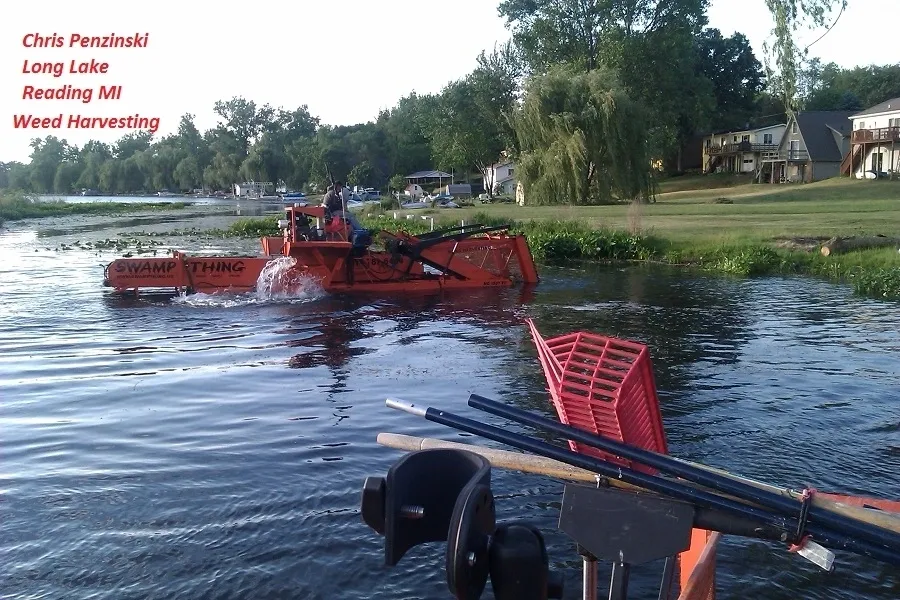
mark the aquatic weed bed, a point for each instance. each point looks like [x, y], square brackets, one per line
[16, 206]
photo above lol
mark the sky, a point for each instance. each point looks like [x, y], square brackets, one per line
[344, 59]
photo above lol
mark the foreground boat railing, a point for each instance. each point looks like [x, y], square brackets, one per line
[431, 497]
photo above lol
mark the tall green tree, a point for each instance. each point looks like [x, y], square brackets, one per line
[243, 120]
[736, 75]
[580, 32]
[831, 87]
[468, 124]
[582, 140]
[408, 148]
[649, 42]
[46, 157]
[783, 57]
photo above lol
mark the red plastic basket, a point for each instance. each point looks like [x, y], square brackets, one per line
[605, 386]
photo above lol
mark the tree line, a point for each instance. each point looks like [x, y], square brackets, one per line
[585, 97]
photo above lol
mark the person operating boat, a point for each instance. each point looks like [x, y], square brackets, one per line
[334, 203]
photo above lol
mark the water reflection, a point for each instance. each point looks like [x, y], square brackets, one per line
[330, 328]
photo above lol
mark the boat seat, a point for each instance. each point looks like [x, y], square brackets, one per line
[337, 230]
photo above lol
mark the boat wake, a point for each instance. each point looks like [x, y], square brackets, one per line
[278, 282]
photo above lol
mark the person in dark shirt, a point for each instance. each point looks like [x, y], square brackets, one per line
[333, 201]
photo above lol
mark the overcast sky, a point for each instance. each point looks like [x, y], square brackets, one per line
[345, 59]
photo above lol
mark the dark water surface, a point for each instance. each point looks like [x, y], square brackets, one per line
[163, 449]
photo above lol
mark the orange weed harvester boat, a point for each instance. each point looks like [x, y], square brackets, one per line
[341, 259]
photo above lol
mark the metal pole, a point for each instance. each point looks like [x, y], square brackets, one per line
[668, 573]
[589, 580]
[618, 581]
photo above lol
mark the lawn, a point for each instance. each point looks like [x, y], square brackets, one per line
[744, 213]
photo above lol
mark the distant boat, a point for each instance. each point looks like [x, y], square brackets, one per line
[414, 205]
[293, 195]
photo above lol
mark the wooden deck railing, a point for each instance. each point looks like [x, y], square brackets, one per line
[741, 147]
[882, 134]
[799, 155]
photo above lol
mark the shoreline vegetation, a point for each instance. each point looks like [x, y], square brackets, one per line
[741, 230]
[16, 206]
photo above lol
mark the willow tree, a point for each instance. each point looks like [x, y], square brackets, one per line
[582, 140]
[789, 17]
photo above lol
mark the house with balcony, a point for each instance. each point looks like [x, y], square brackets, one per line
[740, 151]
[874, 141]
[811, 149]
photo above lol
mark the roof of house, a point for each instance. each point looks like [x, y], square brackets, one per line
[751, 130]
[429, 175]
[816, 128]
[887, 105]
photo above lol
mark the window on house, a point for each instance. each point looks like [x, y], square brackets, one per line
[795, 149]
[893, 122]
[767, 138]
[745, 138]
[735, 139]
[794, 127]
[862, 124]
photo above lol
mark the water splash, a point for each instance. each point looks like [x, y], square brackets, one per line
[279, 281]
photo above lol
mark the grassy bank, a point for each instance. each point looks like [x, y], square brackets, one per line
[15, 206]
[743, 213]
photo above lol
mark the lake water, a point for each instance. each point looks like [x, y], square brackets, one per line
[159, 448]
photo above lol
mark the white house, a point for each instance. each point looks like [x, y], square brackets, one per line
[251, 188]
[875, 141]
[503, 177]
[740, 151]
[414, 190]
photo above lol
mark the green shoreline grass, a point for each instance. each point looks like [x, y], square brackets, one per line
[16, 207]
